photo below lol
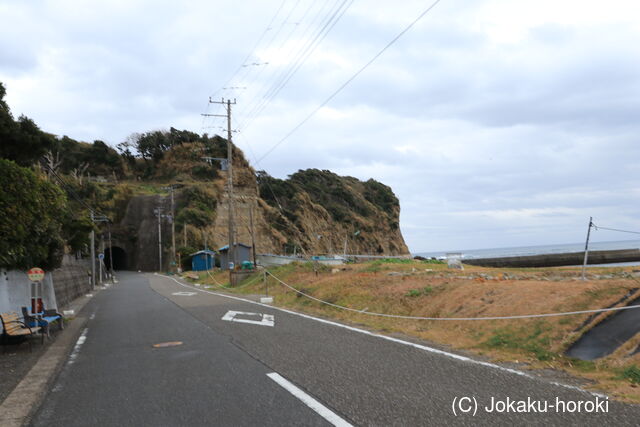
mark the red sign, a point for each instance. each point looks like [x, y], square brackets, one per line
[36, 274]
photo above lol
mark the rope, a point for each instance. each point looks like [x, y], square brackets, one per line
[396, 316]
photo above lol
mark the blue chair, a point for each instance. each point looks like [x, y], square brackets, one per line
[44, 320]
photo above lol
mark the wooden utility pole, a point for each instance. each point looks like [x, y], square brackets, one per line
[586, 250]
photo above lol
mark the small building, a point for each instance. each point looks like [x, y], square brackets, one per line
[243, 253]
[203, 260]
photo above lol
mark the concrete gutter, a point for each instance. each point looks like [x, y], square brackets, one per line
[26, 398]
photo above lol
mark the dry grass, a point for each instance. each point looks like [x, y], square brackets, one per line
[420, 289]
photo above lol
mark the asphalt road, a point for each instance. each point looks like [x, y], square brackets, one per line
[219, 375]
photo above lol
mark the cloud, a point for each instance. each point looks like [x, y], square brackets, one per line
[496, 123]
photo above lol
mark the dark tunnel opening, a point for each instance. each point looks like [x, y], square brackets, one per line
[119, 258]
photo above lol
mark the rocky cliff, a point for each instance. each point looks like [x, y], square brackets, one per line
[311, 212]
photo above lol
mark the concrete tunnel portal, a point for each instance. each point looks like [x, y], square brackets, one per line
[120, 261]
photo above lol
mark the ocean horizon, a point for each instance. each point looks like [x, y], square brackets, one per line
[534, 250]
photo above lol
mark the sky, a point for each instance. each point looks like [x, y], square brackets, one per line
[497, 123]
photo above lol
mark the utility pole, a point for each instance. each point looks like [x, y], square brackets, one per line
[173, 229]
[253, 238]
[173, 226]
[158, 211]
[586, 249]
[102, 252]
[95, 219]
[110, 252]
[232, 251]
[344, 252]
[184, 231]
[93, 254]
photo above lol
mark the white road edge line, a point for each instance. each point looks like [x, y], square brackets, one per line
[396, 340]
[312, 403]
[76, 349]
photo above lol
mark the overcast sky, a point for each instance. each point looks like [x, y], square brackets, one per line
[496, 123]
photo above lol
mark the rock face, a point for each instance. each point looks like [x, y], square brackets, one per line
[312, 212]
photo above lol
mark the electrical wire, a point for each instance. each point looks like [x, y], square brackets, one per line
[240, 66]
[72, 192]
[247, 108]
[597, 227]
[277, 33]
[303, 54]
[349, 80]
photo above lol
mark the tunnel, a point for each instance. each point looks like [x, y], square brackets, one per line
[119, 258]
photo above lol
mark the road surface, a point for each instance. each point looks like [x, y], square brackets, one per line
[278, 368]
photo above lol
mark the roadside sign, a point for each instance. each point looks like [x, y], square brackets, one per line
[36, 274]
[100, 256]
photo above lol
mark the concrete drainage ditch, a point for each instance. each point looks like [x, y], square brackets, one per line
[604, 338]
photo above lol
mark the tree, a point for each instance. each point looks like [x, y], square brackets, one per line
[32, 214]
[22, 140]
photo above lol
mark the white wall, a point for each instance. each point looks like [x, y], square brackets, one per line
[15, 291]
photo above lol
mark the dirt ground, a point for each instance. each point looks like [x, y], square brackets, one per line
[16, 360]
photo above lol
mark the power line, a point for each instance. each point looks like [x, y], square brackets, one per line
[73, 193]
[597, 227]
[247, 107]
[251, 52]
[253, 49]
[275, 35]
[326, 25]
[364, 67]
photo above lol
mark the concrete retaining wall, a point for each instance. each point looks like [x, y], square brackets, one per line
[557, 260]
[71, 280]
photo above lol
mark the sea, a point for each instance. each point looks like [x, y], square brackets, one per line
[534, 250]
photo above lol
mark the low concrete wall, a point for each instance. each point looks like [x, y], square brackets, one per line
[558, 260]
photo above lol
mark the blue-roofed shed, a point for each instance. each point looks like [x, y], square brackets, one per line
[203, 260]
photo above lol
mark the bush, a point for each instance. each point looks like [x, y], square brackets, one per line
[535, 342]
[427, 290]
[632, 373]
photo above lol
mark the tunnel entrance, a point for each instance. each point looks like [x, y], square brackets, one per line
[119, 258]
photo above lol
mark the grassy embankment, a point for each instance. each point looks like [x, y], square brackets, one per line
[416, 288]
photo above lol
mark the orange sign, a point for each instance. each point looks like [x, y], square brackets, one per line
[36, 274]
